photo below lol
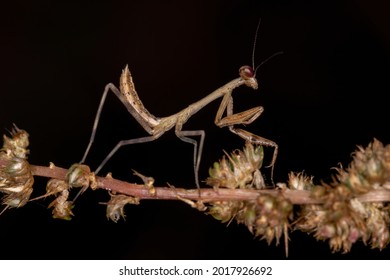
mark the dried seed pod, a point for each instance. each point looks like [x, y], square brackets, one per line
[62, 207]
[16, 179]
[115, 206]
[299, 181]
[14, 172]
[342, 219]
[15, 146]
[78, 176]
[224, 211]
[267, 216]
[272, 216]
[378, 222]
[18, 199]
[55, 186]
[240, 169]
[369, 166]
[377, 219]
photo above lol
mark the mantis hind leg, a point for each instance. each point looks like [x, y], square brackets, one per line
[183, 135]
[125, 143]
[144, 123]
[97, 117]
[113, 151]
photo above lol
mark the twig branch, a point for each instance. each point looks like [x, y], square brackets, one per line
[353, 207]
[204, 194]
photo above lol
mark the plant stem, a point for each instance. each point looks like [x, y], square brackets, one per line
[204, 194]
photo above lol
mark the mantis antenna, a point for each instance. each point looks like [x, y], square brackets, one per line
[254, 51]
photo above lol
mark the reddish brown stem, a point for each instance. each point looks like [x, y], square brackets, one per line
[204, 194]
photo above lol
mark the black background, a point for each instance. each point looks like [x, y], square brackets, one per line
[326, 94]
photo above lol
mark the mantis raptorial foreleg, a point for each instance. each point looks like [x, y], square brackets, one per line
[245, 117]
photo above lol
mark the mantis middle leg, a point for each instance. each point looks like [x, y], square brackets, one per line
[183, 135]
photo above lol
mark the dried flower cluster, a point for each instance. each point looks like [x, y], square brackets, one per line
[117, 202]
[16, 179]
[62, 208]
[78, 176]
[338, 212]
[115, 206]
[342, 219]
[266, 216]
[238, 170]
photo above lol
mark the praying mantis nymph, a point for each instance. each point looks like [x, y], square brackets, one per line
[156, 126]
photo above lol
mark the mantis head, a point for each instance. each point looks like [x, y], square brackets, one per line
[249, 76]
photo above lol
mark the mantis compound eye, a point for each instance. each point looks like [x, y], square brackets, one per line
[246, 72]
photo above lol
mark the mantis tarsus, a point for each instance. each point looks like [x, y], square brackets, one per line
[156, 127]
